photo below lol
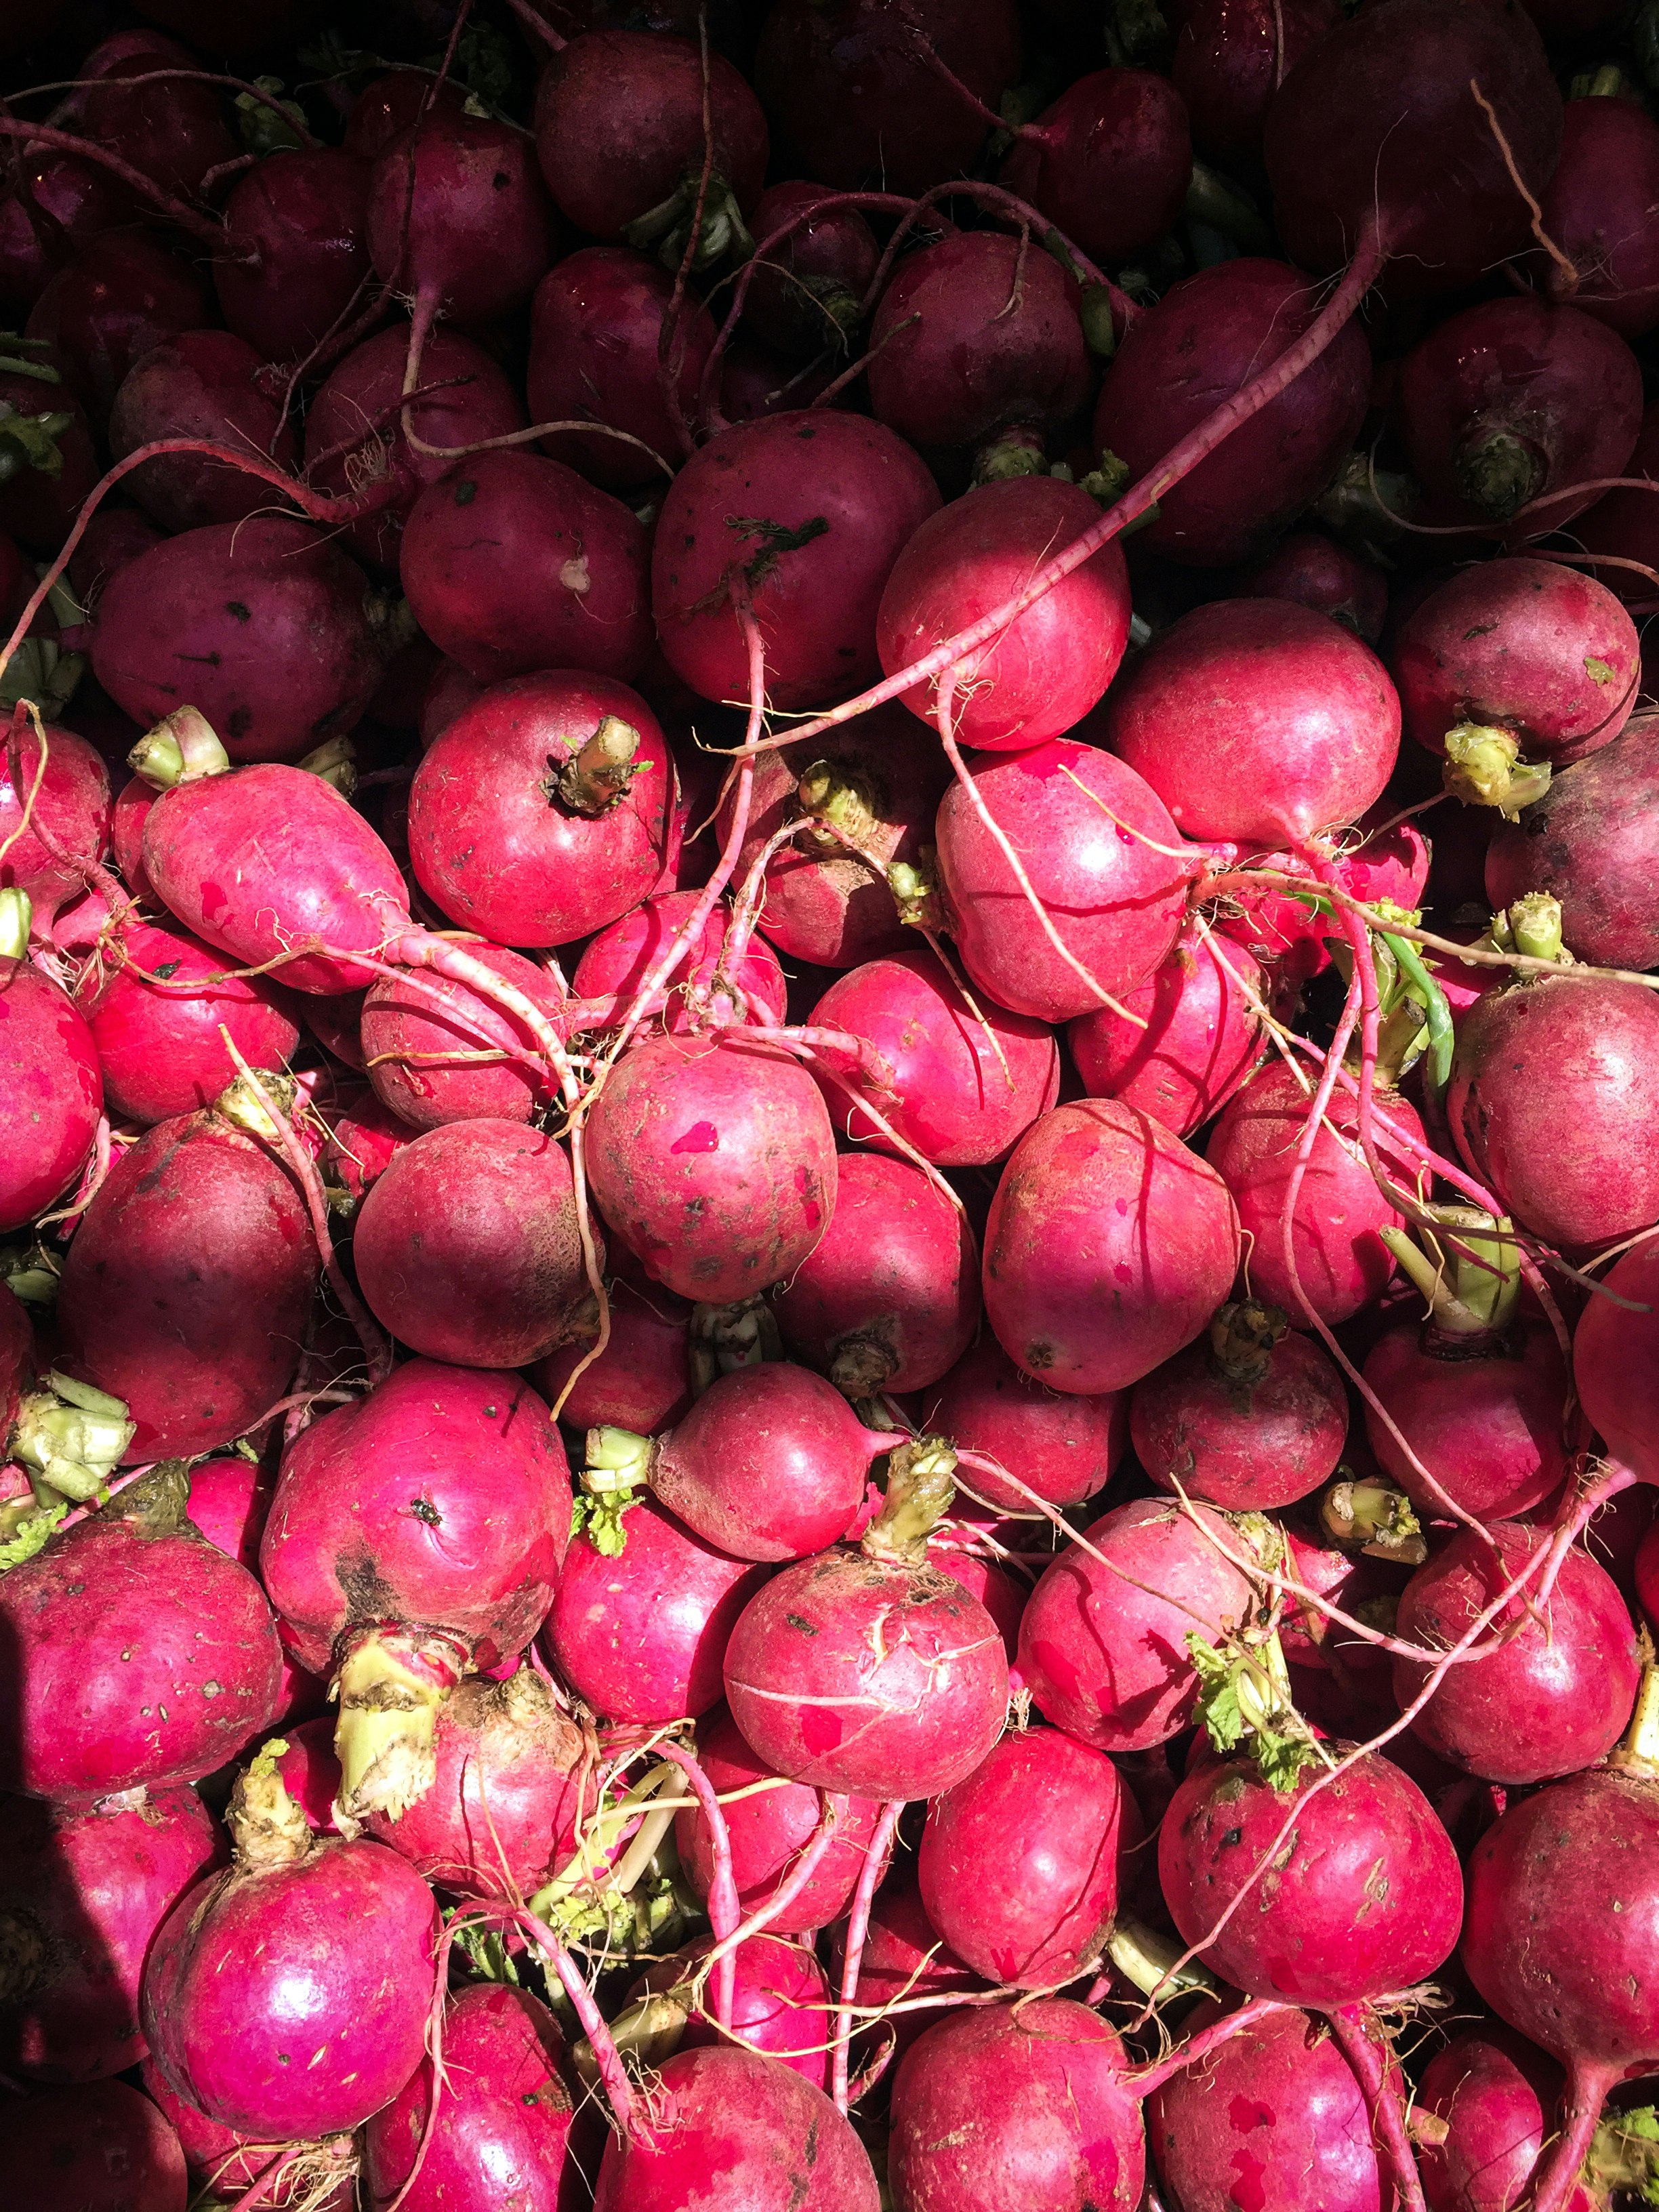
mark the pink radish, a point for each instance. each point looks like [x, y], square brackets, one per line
[311, 1773]
[618, 960]
[364, 1137]
[1108, 163]
[102, 2148]
[1318, 573]
[1615, 1363]
[297, 249]
[1003, 1596]
[1229, 61]
[1497, 2095]
[51, 1081]
[289, 2176]
[1108, 1248]
[204, 385]
[808, 292]
[67, 827]
[428, 1048]
[642, 1380]
[903, 1959]
[121, 296]
[1194, 1037]
[779, 2006]
[1591, 843]
[1063, 1447]
[1286, 931]
[457, 216]
[1595, 211]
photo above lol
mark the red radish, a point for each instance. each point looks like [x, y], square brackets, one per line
[172, 128]
[808, 293]
[1555, 1698]
[1003, 1596]
[642, 1380]
[777, 2143]
[1496, 2095]
[1554, 1103]
[1062, 1446]
[767, 1832]
[618, 960]
[1342, 1262]
[1108, 1248]
[204, 384]
[968, 1083]
[1202, 342]
[1044, 670]
[1620, 524]
[1108, 162]
[852, 98]
[503, 2123]
[297, 251]
[780, 2004]
[1229, 61]
[642, 1642]
[81, 1896]
[363, 1138]
[595, 325]
[1195, 1036]
[389, 106]
[51, 834]
[122, 295]
[1102, 1652]
[1101, 851]
[350, 420]
[422, 1043]
[101, 2148]
[1003, 2107]
[1390, 861]
[1596, 210]
[457, 216]
[202, 1677]
[322, 2014]
[1250, 1419]
[755, 381]
[51, 1081]
[159, 1049]
[37, 507]
[1273, 2119]
[1615, 1368]
[58, 204]
[903, 1958]
[1318, 573]
[714, 1163]
[1368, 1895]
[1592, 843]
[290, 2175]
[809, 511]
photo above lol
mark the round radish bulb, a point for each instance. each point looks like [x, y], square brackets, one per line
[58, 204]
[1251, 1419]
[503, 2122]
[889, 1300]
[766, 1833]
[1365, 1588]
[1591, 843]
[810, 510]
[1512, 399]
[296, 235]
[160, 1048]
[145, 1655]
[642, 1642]
[311, 1773]
[1043, 671]
[1275, 2115]
[419, 1038]
[290, 1996]
[513, 563]
[1103, 1652]
[1342, 1264]
[81, 1895]
[780, 2004]
[1108, 162]
[397, 1597]
[777, 2143]
[457, 216]
[364, 1138]
[205, 384]
[969, 1080]
[1202, 342]
[1596, 210]
[1108, 1246]
[53, 1086]
[1229, 61]
[173, 127]
[1004, 1596]
[1195, 1035]
[1620, 524]
[618, 960]
[53, 833]
[1000, 2107]
[715, 1167]
[1317, 572]
[1498, 2095]
[1115, 891]
[264, 626]
[349, 420]
[1615, 1362]
[851, 95]
[1062, 1446]
[100, 2148]
[1294, 721]
[219, 2159]
[120, 296]
[595, 324]
[1554, 1699]
[1290, 938]
[903, 1958]
[808, 293]
[1368, 1895]
[1554, 1104]
[541, 812]
[389, 106]
[642, 1381]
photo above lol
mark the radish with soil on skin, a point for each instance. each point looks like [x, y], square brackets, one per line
[55, 833]
[642, 1380]
[50, 1078]
[1555, 1698]
[296, 235]
[1596, 208]
[1252, 1418]
[1229, 61]
[429, 1049]
[1495, 2095]
[397, 1599]
[1108, 1248]
[1108, 162]
[1318, 573]
[205, 384]
[1103, 1652]
[458, 217]
[202, 1676]
[1063, 1447]
[1591, 844]
[808, 292]
[1194, 1037]
[99, 2148]
[617, 961]
[121, 295]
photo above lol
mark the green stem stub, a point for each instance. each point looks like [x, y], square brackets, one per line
[1483, 767]
[593, 780]
[1624, 2156]
[182, 746]
[1467, 1267]
[392, 1683]
[1639, 1752]
[267, 1828]
[1244, 1701]
[1146, 1960]
[70, 1437]
[240, 1105]
[1499, 473]
[916, 888]
[920, 1486]
[1243, 1336]
[17, 913]
[842, 795]
[617, 1475]
[336, 763]
[1380, 1521]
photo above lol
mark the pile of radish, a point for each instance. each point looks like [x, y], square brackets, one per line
[828, 1105]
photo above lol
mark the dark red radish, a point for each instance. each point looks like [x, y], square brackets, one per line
[202, 1672]
[969, 1080]
[40, 505]
[100, 2148]
[1273, 2119]
[1377, 125]
[1497, 2095]
[777, 2143]
[1388, 862]
[1342, 1261]
[618, 960]
[1108, 1246]
[1317, 572]
[1591, 843]
[81, 1895]
[350, 420]
[1000, 2107]
[1100, 850]
[1555, 1698]
[290, 1996]
[903, 1959]
[173, 127]
[457, 216]
[1230, 60]
[1200, 344]
[1063, 1447]
[513, 563]
[1108, 163]
[229, 1499]
[1620, 528]
[50, 1079]
[1596, 210]
[296, 250]
[203, 383]
[388, 106]
[1044, 670]
[1554, 1104]
[755, 381]
[780, 2004]
[808, 293]
[1251, 1418]
[120, 296]
[1192, 1036]
[1363, 1896]
[595, 324]
[642, 1380]
[1102, 1648]
[853, 101]
[714, 1163]
[426, 1045]
[810, 511]
[55, 815]
[57, 205]
[767, 1832]
[161, 1050]
[364, 1137]
[1615, 1363]
[220, 2159]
